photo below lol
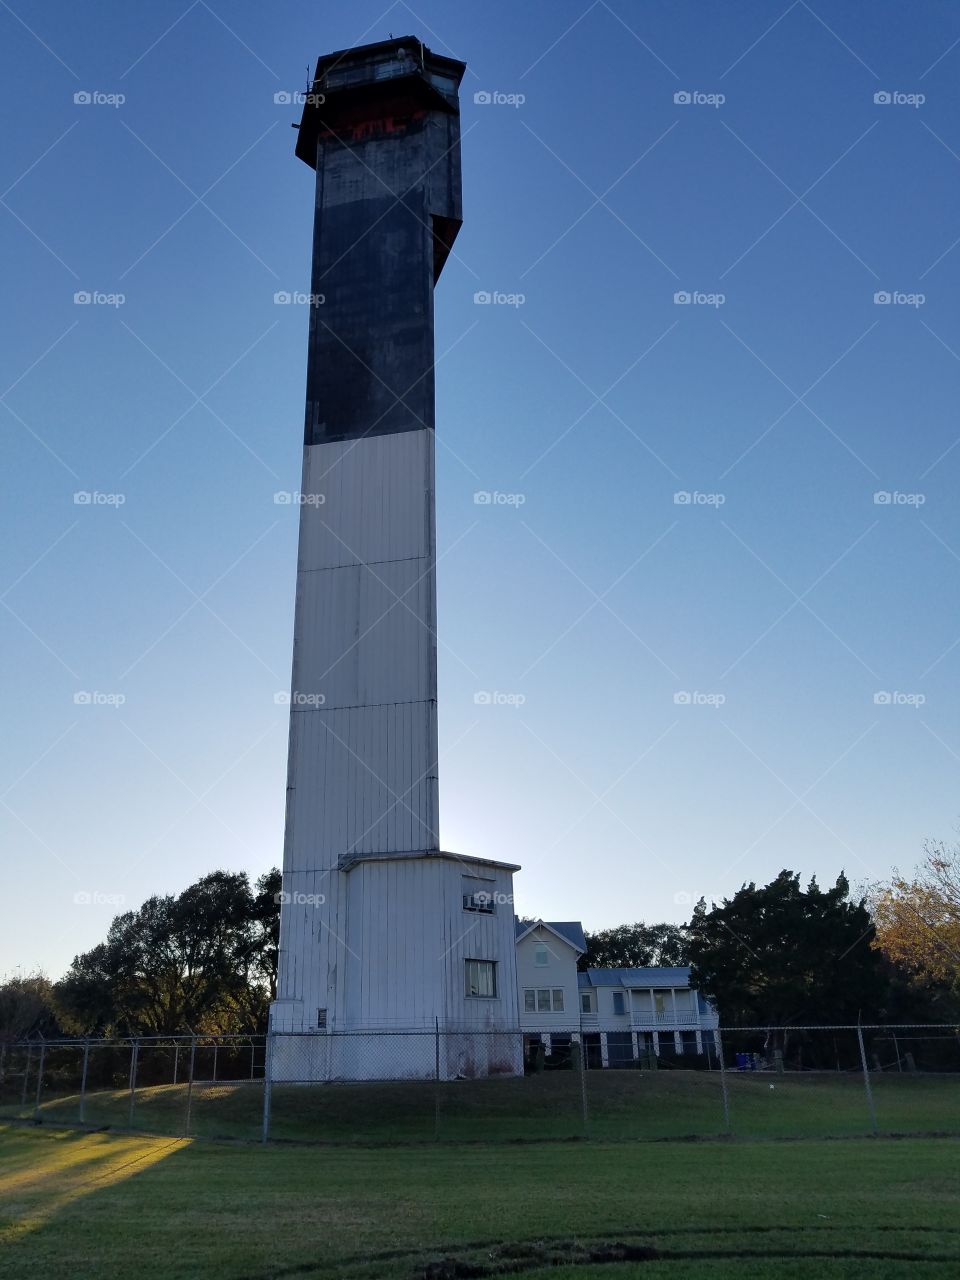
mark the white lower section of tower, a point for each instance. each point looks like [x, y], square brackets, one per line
[373, 931]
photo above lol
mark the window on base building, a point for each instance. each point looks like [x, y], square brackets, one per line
[541, 955]
[619, 1002]
[586, 1002]
[478, 895]
[480, 978]
[543, 999]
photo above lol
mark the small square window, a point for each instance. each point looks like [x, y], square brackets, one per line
[541, 956]
[529, 1000]
[543, 1000]
[558, 1000]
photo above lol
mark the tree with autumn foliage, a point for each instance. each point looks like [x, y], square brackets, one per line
[918, 920]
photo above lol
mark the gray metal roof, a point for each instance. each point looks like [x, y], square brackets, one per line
[651, 977]
[570, 930]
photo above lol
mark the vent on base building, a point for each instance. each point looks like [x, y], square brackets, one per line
[321, 1019]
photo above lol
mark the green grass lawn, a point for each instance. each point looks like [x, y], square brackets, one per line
[93, 1205]
[620, 1105]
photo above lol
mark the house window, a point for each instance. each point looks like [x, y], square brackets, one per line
[321, 1019]
[543, 999]
[480, 978]
[541, 955]
[477, 896]
[586, 1002]
[619, 1003]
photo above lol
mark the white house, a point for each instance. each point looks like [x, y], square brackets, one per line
[622, 1015]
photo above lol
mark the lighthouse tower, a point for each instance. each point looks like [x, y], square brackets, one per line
[380, 929]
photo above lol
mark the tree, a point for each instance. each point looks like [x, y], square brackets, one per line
[204, 960]
[918, 920]
[637, 945]
[27, 1008]
[780, 954]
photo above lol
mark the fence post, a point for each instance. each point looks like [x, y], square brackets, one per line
[216, 1046]
[134, 1056]
[36, 1109]
[718, 1041]
[193, 1056]
[83, 1080]
[584, 1107]
[26, 1075]
[436, 1081]
[253, 1052]
[267, 1085]
[176, 1059]
[866, 1082]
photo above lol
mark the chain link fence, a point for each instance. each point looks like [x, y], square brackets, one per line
[382, 1087]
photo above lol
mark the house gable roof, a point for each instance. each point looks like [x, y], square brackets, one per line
[568, 931]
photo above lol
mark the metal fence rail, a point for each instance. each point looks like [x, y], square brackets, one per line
[389, 1086]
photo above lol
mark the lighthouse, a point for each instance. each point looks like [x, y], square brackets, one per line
[381, 929]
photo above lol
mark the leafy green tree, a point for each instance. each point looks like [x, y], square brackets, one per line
[27, 1008]
[635, 946]
[204, 960]
[779, 954]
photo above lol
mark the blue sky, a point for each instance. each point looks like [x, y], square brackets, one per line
[692, 684]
